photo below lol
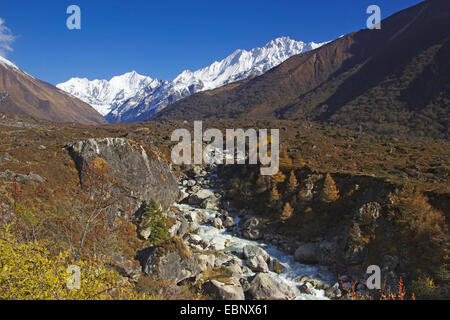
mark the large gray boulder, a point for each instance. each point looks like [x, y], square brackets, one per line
[172, 260]
[232, 290]
[307, 253]
[199, 196]
[250, 251]
[125, 267]
[324, 253]
[264, 287]
[257, 264]
[135, 175]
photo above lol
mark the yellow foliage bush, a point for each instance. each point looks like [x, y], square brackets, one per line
[28, 271]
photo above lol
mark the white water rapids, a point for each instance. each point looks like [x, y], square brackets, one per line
[292, 270]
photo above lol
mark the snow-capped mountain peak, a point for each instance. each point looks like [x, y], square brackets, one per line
[104, 95]
[7, 63]
[132, 97]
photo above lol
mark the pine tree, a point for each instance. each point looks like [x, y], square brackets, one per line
[285, 160]
[292, 182]
[330, 192]
[287, 212]
[274, 195]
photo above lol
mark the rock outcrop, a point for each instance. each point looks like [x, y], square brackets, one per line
[264, 287]
[224, 291]
[172, 260]
[138, 176]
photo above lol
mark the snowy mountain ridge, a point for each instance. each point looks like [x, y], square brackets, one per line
[132, 97]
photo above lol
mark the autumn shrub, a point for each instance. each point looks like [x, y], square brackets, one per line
[380, 294]
[29, 271]
[287, 212]
[423, 288]
[166, 289]
[420, 229]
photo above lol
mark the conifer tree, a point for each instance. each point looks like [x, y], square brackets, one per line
[285, 160]
[330, 192]
[292, 182]
[274, 195]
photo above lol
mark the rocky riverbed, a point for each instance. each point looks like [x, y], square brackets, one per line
[222, 238]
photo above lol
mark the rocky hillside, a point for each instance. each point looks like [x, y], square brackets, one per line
[393, 80]
[340, 202]
[23, 94]
[347, 223]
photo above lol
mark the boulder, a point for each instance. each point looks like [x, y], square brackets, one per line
[136, 176]
[211, 203]
[171, 260]
[182, 196]
[217, 223]
[199, 196]
[306, 288]
[194, 227]
[229, 223]
[206, 261]
[217, 244]
[194, 239]
[277, 267]
[250, 251]
[232, 290]
[327, 252]
[21, 177]
[257, 264]
[307, 253]
[125, 267]
[191, 183]
[196, 216]
[264, 287]
[253, 229]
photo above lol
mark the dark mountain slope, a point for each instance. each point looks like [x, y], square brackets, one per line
[21, 93]
[393, 80]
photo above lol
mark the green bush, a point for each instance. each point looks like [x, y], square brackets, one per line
[423, 287]
[155, 220]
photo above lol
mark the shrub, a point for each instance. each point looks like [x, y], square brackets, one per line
[29, 271]
[287, 212]
[423, 287]
[155, 220]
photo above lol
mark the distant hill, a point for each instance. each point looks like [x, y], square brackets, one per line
[21, 93]
[392, 81]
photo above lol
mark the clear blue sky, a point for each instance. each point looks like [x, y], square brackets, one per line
[162, 38]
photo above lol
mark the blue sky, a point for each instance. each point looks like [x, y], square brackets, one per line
[161, 39]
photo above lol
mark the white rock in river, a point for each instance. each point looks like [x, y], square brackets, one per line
[217, 223]
[257, 264]
[250, 251]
